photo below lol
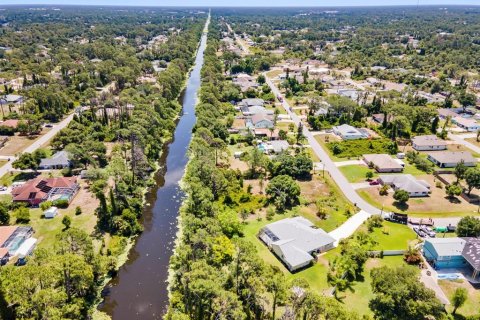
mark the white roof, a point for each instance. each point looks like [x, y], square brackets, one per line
[406, 182]
[26, 247]
[447, 246]
[296, 238]
[347, 130]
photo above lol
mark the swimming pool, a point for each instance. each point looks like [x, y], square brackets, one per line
[449, 276]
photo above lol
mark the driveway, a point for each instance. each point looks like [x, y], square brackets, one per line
[460, 140]
[348, 163]
[349, 227]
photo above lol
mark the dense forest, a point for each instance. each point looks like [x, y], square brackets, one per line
[66, 58]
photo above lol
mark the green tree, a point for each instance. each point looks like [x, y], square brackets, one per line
[468, 227]
[453, 190]
[369, 175]
[67, 221]
[460, 170]
[22, 215]
[399, 294]
[4, 214]
[401, 196]
[283, 191]
[459, 298]
[472, 178]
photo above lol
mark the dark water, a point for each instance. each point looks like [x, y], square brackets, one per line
[140, 289]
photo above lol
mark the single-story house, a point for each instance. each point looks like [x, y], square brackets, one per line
[349, 93]
[468, 124]
[251, 102]
[262, 132]
[50, 212]
[11, 98]
[449, 159]
[59, 160]
[38, 190]
[428, 143]
[445, 112]
[347, 132]
[11, 123]
[407, 182]
[453, 253]
[250, 111]
[276, 146]
[260, 120]
[295, 240]
[383, 163]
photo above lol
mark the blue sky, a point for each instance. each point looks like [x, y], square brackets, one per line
[243, 2]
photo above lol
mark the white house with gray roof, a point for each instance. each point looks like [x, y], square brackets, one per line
[449, 159]
[428, 143]
[347, 132]
[59, 160]
[295, 240]
[407, 182]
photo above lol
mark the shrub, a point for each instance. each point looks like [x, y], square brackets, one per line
[401, 196]
[67, 221]
[22, 215]
[45, 205]
[384, 190]
[78, 211]
[62, 203]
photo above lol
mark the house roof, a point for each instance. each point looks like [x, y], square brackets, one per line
[428, 140]
[259, 109]
[465, 122]
[278, 145]
[471, 252]
[406, 182]
[252, 102]
[347, 130]
[260, 117]
[39, 187]
[452, 156]
[447, 246]
[296, 237]
[266, 132]
[5, 233]
[12, 97]
[382, 161]
[12, 123]
[59, 158]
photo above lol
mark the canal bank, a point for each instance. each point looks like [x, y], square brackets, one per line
[139, 291]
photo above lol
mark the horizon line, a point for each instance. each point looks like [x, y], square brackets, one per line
[250, 6]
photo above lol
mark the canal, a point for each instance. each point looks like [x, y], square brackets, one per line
[140, 289]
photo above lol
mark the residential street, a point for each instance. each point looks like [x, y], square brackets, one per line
[38, 143]
[460, 138]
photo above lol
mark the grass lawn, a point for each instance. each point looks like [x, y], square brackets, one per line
[470, 307]
[356, 172]
[357, 148]
[392, 236]
[313, 155]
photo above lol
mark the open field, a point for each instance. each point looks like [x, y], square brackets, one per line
[392, 236]
[436, 205]
[16, 144]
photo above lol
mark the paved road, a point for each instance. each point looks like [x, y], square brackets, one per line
[242, 45]
[349, 227]
[459, 138]
[38, 143]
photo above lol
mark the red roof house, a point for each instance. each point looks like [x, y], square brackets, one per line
[40, 189]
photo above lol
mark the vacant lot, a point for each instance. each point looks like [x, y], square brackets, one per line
[357, 148]
[16, 144]
[436, 205]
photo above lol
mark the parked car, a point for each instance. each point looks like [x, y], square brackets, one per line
[420, 232]
[428, 231]
[374, 183]
[48, 125]
[3, 188]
